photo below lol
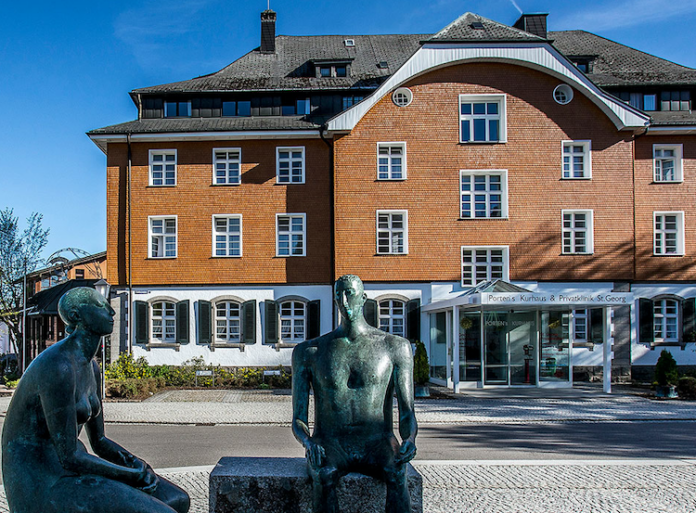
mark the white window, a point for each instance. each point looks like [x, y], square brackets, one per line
[577, 161]
[227, 322]
[163, 167]
[392, 232]
[484, 263]
[290, 165]
[290, 234]
[163, 322]
[293, 320]
[392, 316]
[580, 331]
[482, 118]
[227, 235]
[667, 162]
[668, 233]
[227, 166]
[578, 231]
[163, 237]
[666, 320]
[391, 161]
[483, 194]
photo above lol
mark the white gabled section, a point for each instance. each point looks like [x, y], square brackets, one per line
[539, 56]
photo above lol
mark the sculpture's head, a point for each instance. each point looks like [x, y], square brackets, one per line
[350, 296]
[83, 307]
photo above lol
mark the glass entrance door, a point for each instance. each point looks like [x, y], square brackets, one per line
[510, 341]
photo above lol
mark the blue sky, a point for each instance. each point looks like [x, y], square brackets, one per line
[67, 67]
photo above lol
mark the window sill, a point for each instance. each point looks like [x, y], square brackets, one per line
[391, 179]
[284, 345]
[224, 345]
[483, 218]
[575, 178]
[679, 344]
[161, 258]
[227, 256]
[168, 345]
[578, 254]
[586, 345]
[290, 183]
[225, 184]
[390, 254]
[289, 256]
[464, 143]
[150, 186]
[672, 255]
[660, 182]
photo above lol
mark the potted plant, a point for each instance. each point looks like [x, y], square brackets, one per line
[421, 370]
[666, 375]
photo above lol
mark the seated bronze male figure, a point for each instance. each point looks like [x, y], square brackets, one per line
[354, 372]
[45, 467]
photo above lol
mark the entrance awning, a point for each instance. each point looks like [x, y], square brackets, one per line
[504, 295]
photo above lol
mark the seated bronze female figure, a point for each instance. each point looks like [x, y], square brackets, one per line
[45, 467]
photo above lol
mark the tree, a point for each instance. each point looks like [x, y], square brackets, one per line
[20, 253]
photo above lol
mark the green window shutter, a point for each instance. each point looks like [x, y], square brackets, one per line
[370, 313]
[646, 314]
[270, 322]
[182, 322]
[413, 317]
[689, 320]
[596, 325]
[205, 322]
[313, 319]
[142, 322]
[249, 322]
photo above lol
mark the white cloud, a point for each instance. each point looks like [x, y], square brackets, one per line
[626, 13]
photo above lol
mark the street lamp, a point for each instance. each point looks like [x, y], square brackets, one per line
[103, 287]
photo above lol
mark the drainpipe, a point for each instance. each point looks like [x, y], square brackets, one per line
[130, 249]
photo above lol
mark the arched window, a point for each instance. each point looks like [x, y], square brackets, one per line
[666, 320]
[163, 321]
[227, 322]
[293, 321]
[392, 316]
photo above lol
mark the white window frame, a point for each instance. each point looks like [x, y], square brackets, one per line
[227, 161]
[152, 163]
[227, 319]
[661, 318]
[663, 231]
[488, 264]
[163, 235]
[389, 157]
[292, 318]
[227, 235]
[290, 233]
[163, 321]
[581, 316]
[678, 162]
[501, 100]
[587, 160]
[391, 316]
[391, 231]
[303, 158]
[572, 230]
[473, 173]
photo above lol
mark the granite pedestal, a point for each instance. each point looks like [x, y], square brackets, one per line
[281, 485]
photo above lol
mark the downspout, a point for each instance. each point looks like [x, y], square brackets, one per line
[130, 248]
[332, 203]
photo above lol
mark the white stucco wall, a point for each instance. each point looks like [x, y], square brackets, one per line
[4, 339]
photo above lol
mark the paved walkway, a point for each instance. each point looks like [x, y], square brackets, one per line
[577, 486]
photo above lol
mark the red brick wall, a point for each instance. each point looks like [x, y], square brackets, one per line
[194, 200]
[536, 125]
[652, 197]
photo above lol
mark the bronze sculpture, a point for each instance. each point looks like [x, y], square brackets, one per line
[354, 372]
[45, 467]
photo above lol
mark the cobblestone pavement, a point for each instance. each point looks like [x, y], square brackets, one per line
[525, 487]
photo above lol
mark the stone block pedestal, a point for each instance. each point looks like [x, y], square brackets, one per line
[281, 485]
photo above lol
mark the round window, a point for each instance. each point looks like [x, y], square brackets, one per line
[563, 94]
[402, 97]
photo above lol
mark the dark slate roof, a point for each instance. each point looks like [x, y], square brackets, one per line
[672, 118]
[616, 65]
[292, 63]
[46, 301]
[144, 126]
[465, 28]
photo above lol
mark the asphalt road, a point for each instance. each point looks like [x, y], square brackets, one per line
[182, 446]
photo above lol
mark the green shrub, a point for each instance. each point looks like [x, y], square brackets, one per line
[687, 388]
[133, 388]
[421, 367]
[666, 369]
[12, 383]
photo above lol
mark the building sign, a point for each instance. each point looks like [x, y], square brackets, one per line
[572, 300]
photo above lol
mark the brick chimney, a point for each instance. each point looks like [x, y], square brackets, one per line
[534, 23]
[268, 21]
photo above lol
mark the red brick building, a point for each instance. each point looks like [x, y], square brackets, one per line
[514, 198]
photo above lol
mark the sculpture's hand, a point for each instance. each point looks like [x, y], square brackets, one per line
[315, 454]
[150, 482]
[406, 453]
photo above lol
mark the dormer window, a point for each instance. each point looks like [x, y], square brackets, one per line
[349, 42]
[332, 69]
[177, 109]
